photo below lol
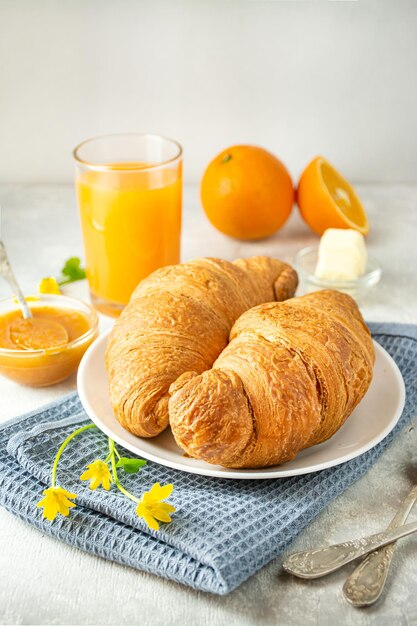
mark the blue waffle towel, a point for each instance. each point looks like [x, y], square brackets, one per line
[223, 530]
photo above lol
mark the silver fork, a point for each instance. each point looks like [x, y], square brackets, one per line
[364, 586]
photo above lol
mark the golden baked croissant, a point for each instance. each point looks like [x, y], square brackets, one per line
[177, 320]
[290, 376]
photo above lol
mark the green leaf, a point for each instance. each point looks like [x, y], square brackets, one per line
[72, 271]
[130, 466]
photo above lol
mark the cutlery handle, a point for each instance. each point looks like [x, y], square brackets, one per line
[7, 272]
[365, 584]
[323, 561]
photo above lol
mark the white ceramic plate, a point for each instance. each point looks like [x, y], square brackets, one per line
[370, 422]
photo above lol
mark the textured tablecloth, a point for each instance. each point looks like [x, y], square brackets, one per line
[223, 530]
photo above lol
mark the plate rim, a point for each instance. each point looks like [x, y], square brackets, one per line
[217, 471]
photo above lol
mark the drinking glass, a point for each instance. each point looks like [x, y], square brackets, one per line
[129, 190]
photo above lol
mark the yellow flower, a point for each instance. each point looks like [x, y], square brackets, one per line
[99, 474]
[151, 507]
[49, 285]
[56, 500]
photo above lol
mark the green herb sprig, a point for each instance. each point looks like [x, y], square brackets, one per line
[72, 271]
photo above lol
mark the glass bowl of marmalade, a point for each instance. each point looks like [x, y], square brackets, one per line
[47, 348]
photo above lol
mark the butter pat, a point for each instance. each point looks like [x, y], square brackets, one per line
[342, 255]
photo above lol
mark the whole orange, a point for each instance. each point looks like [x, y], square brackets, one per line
[247, 192]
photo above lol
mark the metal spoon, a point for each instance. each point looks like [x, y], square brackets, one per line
[31, 333]
[323, 561]
[7, 272]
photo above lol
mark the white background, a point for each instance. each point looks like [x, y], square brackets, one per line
[299, 78]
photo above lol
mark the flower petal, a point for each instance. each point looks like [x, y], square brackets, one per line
[106, 483]
[66, 493]
[168, 508]
[49, 514]
[151, 521]
[153, 492]
[49, 285]
[64, 505]
[161, 515]
[160, 493]
[143, 511]
[95, 482]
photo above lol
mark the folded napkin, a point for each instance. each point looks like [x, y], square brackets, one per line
[223, 530]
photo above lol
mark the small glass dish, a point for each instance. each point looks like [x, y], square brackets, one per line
[306, 262]
[40, 368]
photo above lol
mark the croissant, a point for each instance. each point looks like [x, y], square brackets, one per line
[290, 376]
[178, 320]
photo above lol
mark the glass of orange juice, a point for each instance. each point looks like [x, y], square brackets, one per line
[129, 190]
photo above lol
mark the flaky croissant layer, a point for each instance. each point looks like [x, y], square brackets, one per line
[290, 376]
[179, 320]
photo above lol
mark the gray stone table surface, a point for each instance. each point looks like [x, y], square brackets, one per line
[44, 581]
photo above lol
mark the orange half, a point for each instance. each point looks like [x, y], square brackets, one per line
[327, 200]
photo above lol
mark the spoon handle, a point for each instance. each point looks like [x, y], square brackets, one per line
[323, 561]
[365, 584]
[7, 272]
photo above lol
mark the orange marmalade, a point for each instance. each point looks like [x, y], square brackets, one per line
[48, 347]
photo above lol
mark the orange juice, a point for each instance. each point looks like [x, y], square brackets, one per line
[131, 223]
